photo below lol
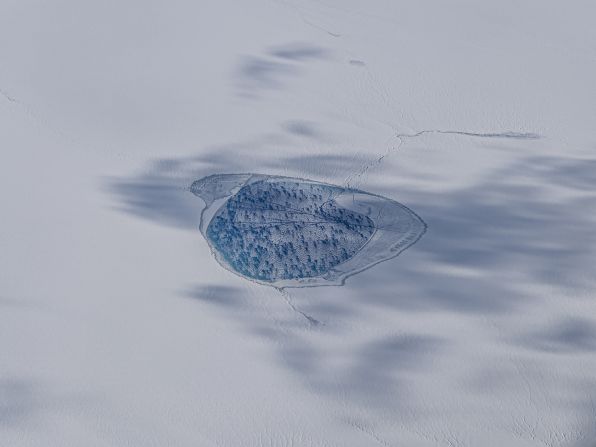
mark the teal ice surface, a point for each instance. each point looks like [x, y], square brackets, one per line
[278, 230]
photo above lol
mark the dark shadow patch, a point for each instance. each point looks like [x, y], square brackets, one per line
[572, 173]
[24, 402]
[568, 336]
[380, 364]
[217, 295]
[155, 199]
[161, 193]
[257, 74]
[357, 63]
[260, 74]
[510, 225]
[17, 401]
[299, 52]
[305, 129]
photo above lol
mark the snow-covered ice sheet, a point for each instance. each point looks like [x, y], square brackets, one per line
[117, 326]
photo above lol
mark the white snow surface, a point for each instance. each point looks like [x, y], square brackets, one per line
[118, 327]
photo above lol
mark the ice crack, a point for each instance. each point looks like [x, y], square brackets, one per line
[349, 181]
[7, 96]
[508, 134]
[313, 321]
[369, 432]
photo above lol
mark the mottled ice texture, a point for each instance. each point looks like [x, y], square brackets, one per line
[292, 232]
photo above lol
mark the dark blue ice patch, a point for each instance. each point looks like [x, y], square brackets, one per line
[290, 232]
[287, 230]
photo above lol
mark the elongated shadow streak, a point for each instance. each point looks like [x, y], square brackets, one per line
[271, 71]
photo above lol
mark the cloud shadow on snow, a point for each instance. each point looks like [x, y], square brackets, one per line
[17, 401]
[25, 402]
[301, 128]
[160, 193]
[299, 52]
[227, 297]
[569, 335]
[483, 242]
[371, 373]
[271, 71]
[505, 225]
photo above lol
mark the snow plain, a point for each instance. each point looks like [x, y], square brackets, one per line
[117, 326]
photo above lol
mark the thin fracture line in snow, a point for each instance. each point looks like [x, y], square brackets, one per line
[7, 96]
[369, 432]
[305, 20]
[508, 134]
[25, 108]
[320, 28]
[288, 300]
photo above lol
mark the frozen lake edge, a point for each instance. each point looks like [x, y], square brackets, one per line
[314, 238]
